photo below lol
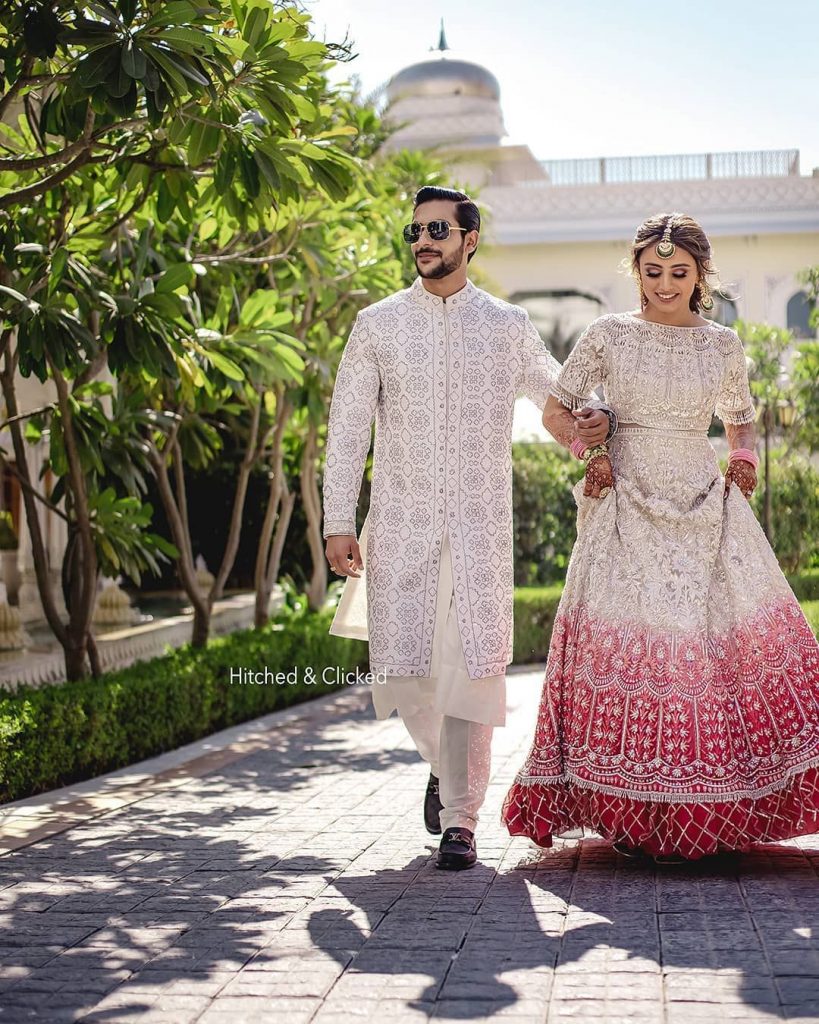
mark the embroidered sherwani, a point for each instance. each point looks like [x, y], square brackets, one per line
[440, 377]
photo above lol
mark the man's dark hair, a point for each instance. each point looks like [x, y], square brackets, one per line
[466, 212]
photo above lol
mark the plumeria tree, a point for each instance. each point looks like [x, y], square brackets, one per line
[125, 126]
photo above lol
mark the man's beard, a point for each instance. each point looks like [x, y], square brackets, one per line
[447, 266]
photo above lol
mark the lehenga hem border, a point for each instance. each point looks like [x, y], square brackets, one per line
[569, 778]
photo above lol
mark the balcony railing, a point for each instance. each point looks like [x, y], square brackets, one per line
[765, 163]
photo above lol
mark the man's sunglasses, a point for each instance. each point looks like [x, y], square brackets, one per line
[438, 231]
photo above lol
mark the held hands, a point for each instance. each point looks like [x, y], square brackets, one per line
[591, 426]
[599, 477]
[743, 474]
[344, 555]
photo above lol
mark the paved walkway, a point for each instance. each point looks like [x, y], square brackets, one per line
[281, 872]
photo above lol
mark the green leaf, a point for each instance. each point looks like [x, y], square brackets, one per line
[249, 171]
[128, 10]
[133, 60]
[224, 170]
[170, 73]
[165, 202]
[182, 66]
[255, 25]
[225, 365]
[97, 65]
[168, 304]
[164, 545]
[204, 139]
[308, 111]
[175, 277]
[33, 432]
[180, 11]
[118, 82]
[187, 40]
[268, 170]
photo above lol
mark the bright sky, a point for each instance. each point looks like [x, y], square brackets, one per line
[613, 77]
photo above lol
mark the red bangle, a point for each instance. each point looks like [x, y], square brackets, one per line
[743, 455]
[578, 448]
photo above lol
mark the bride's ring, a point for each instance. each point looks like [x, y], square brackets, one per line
[604, 491]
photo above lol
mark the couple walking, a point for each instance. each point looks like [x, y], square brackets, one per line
[680, 706]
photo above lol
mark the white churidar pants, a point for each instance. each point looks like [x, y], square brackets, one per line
[449, 716]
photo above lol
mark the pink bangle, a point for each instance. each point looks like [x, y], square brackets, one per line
[578, 448]
[743, 455]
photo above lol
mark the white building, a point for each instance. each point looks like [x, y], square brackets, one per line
[559, 229]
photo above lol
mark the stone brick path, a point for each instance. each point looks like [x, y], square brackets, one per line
[288, 878]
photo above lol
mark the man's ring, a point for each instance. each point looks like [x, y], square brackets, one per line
[604, 491]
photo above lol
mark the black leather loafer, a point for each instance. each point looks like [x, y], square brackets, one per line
[432, 807]
[457, 850]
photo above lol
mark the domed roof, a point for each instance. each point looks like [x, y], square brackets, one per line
[440, 75]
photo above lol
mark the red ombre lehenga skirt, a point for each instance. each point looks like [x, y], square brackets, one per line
[680, 707]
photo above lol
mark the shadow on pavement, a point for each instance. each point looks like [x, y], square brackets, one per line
[274, 886]
[165, 900]
[732, 929]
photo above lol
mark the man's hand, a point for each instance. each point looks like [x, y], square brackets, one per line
[344, 555]
[743, 475]
[599, 476]
[591, 425]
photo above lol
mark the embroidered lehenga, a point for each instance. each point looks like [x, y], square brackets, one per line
[680, 707]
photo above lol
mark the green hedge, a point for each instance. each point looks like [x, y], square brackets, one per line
[535, 609]
[56, 735]
[805, 585]
[811, 610]
[52, 736]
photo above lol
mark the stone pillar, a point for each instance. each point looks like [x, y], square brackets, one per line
[57, 539]
[54, 532]
[30, 605]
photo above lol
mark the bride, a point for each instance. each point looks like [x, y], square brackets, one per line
[680, 707]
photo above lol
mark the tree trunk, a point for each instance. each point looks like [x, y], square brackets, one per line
[76, 659]
[317, 589]
[181, 538]
[276, 481]
[288, 501]
[181, 494]
[94, 656]
[84, 583]
[201, 627]
[235, 528]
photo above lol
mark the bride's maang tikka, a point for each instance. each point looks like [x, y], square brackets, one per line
[665, 248]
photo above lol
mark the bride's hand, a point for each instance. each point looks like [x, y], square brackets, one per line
[599, 477]
[743, 475]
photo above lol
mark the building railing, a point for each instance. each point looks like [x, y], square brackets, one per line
[764, 163]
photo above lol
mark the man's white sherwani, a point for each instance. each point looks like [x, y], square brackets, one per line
[441, 378]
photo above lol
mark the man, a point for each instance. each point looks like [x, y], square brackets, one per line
[439, 366]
